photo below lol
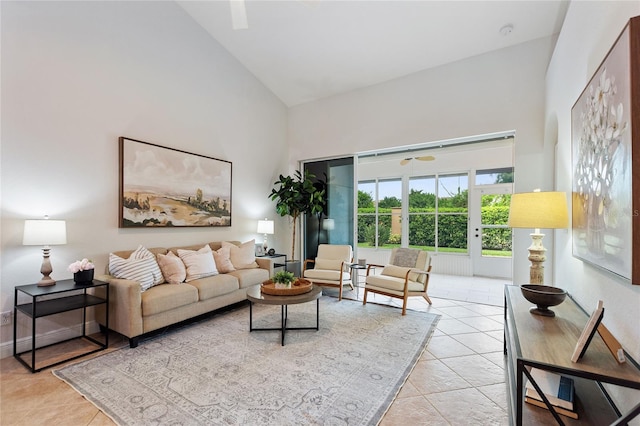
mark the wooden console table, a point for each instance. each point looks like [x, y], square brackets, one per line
[547, 343]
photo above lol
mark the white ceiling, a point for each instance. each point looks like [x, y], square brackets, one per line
[304, 50]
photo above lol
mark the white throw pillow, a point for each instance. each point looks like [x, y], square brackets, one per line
[223, 260]
[199, 263]
[144, 270]
[172, 268]
[243, 257]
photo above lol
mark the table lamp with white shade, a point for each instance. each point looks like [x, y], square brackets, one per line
[45, 233]
[538, 210]
[265, 227]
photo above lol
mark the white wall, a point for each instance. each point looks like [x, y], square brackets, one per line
[75, 77]
[494, 92]
[589, 31]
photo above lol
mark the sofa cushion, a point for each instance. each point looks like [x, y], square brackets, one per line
[164, 297]
[243, 256]
[222, 256]
[172, 268]
[199, 264]
[249, 277]
[216, 285]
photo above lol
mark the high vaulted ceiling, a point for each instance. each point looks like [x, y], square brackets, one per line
[304, 50]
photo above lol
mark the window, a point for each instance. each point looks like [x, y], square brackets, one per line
[452, 213]
[496, 234]
[437, 213]
[422, 212]
[380, 213]
[493, 176]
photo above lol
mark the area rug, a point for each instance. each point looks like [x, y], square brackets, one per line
[215, 372]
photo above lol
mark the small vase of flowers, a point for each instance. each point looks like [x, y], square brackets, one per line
[283, 279]
[82, 271]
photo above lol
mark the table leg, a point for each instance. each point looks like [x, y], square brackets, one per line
[250, 317]
[283, 322]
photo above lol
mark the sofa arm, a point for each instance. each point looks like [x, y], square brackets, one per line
[125, 306]
[266, 263]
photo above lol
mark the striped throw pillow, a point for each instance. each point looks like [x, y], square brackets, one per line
[141, 266]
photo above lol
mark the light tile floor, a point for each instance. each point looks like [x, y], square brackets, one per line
[459, 380]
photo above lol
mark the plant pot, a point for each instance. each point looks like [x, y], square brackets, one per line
[83, 276]
[282, 285]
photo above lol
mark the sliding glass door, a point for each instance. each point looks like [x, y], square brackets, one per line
[336, 225]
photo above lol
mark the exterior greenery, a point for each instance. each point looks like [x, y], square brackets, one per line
[452, 216]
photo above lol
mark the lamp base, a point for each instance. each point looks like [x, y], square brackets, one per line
[46, 282]
[536, 257]
[46, 269]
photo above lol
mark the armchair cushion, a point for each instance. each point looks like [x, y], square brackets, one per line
[392, 283]
[325, 274]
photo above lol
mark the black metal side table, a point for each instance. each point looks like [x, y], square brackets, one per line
[277, 259]
[64, 296]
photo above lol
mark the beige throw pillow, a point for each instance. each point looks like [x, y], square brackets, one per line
[396, 271]
[172, 268]
[243, 257]
[330, 264]
[199, 263]
[223, 260]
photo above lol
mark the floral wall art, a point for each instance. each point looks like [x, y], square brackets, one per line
[604, 119]
[162, 187]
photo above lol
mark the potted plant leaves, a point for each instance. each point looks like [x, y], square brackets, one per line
[295, 196]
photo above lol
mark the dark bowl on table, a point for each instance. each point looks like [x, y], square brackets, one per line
[543, 296]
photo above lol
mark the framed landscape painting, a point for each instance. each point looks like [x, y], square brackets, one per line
[605, 128]
[164, 187]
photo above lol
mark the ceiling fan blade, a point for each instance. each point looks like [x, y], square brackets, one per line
[238, 15]
[405, 161]
[426, 158]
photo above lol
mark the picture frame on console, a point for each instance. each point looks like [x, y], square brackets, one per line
[605, 137]
[167, 187]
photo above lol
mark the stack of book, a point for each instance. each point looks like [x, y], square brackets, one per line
[558, 389]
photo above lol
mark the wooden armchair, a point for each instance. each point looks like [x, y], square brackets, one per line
[406, 275]
[331, 267]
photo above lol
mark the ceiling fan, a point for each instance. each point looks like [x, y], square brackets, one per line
[406, 161]
[238, 15]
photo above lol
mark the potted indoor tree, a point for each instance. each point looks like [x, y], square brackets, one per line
[296, 196]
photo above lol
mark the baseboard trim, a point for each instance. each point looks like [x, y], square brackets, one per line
[49, 338]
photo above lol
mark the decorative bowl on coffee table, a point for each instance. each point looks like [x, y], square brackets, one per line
[543, 296]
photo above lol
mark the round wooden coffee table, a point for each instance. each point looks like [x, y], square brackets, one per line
[256, 296]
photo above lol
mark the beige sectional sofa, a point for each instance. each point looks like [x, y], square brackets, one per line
[134, 312]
